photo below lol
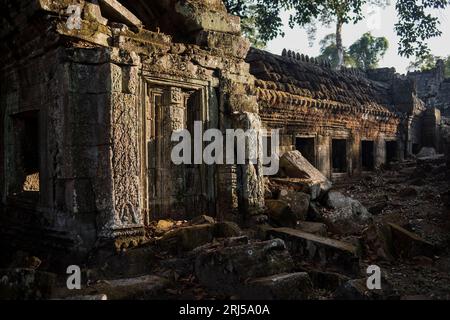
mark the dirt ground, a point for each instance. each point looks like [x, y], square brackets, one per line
[414, 195]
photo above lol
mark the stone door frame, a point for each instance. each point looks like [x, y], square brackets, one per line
[207, 172]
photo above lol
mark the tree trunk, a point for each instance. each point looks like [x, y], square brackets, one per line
[339, 46]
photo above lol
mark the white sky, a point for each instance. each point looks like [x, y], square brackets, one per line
[381, 24]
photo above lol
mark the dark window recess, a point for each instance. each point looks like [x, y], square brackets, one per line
[306, 148]
[367, 154]
[27, 153]
[267, 145]
[391, 151]
[339, 155]
[415, 148]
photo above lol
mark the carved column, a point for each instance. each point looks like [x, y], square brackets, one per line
[119, 198]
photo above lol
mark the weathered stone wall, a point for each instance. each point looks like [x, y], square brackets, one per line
[89, 85]
[63, 204]
[304, 98]
[443, 98]
[433, 87]
[430, 130]
[407, 99]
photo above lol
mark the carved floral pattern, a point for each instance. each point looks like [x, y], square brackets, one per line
[125, 160]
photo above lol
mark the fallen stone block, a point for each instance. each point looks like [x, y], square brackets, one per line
[321, 251]
[226, 229]
[327, 280]
[235, 241]
[357, 290]
[286, 286]
[297, 201]
[203, 219]
[378, 241]
[426, 152]
[408, 244]
[316, 228]
[294, 165]
[347, 215]
[26, 284]
[280, 213]
[188, 238]
[225, 269]
[141, 288]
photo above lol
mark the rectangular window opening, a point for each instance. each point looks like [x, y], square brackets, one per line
[26, 181]
[339, 155]
[391, 151]
[306, 146]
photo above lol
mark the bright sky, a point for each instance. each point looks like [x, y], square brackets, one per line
[380, 24]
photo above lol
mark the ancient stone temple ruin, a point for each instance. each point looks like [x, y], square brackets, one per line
[87, 115]
[92, 90]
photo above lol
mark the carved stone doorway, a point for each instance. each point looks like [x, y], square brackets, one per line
[176, 192]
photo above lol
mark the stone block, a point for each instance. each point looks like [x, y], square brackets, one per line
[26, 284]
[286, 286]
[226, 269]
[280, 213]
[408, 244]
[324, 252]
[316, 228]
[294, 165]
[298, 202]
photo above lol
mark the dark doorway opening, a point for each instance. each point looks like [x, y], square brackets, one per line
[339, 155]
[415, 148]
[391, 151]
[367, 154]
[306, 147]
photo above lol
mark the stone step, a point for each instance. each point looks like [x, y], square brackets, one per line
[317, 228]
[225, 269]
[148, 287]
[321, 251]
[285, 286]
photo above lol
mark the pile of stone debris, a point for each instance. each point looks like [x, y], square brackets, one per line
[315, 244]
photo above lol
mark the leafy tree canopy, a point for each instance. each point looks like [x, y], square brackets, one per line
[329, 52]
[368, 50]
[416, 22]
[365, 53]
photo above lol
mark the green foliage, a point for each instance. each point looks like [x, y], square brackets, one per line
[368, 50]
[260, 19]
[329, 52]
[428, 62]
[262, 23]
[365, 53]
[416, 25]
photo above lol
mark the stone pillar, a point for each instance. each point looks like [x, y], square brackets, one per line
[355, 165]
[118, 182]
[324, 155]
[430, 128]
[241, 110]
[380, 151]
